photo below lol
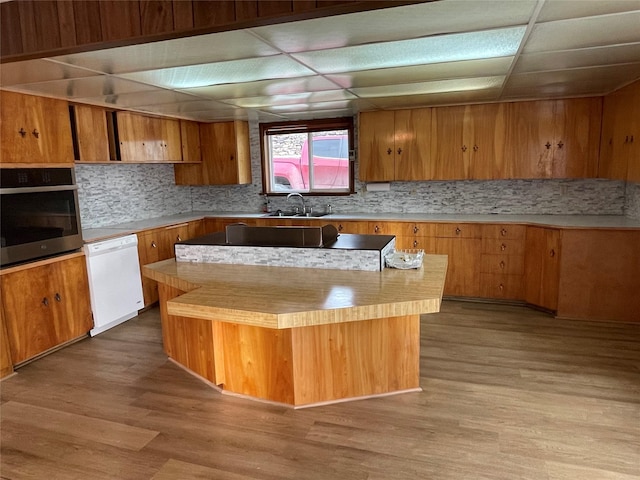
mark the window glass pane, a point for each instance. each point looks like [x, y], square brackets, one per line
[330, 160]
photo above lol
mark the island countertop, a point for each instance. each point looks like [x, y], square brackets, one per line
[280, 297]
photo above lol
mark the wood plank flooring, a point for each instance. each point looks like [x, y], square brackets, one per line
[509, 393]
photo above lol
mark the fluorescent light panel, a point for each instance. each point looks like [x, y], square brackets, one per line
[439, 86]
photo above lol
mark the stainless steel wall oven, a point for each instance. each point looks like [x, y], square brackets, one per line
[40, 216]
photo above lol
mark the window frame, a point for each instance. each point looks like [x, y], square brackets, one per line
[306, 126]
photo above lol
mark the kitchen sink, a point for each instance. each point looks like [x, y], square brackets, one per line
[292, 214]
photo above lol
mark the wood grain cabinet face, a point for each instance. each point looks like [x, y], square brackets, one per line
[394, 145]
[620, 141]
[226, 158]
[148, 139]
[190, 135]
[467, 142]
[502, 262]
[553, 138]
[92, 138]
[542, 267]
[463, 244]
[34, 129]
[6, 364]
[46, 306]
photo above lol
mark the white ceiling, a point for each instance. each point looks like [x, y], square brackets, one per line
[438, 53]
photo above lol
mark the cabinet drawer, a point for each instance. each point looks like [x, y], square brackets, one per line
[458, 230]
[428, 244]
[502, 246]
[507, 287]
[418, 229]
[503, 231]
[502, 264]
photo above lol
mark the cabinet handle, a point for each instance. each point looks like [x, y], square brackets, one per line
[415, 244]
[399, 151]
[22, 132]
[502, 264]
[552, 253]
[476, 148]
[548, 145]
[501, 287]
[415, 230]
[464, 148]
[389, 151]
[45, 301]
[631, 139]
[57, 297]
[340, 227]
[503, 232]
[178, 239]
[231, 158]
[153, 245]
[626, 139]
[36, 133]
[376, 229]
[458, 231]
[560, 145]
[503, 247]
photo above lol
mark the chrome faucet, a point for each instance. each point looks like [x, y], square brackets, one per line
[296, 194]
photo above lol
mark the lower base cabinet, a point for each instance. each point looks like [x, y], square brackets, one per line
[45, 305]
[6, 364]
[542, 267]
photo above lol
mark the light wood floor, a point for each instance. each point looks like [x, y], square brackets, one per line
[509, 393]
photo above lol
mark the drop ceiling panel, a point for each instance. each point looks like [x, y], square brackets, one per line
[584, 32]
[449, 98]
[280, 86]
[201, 49]
[34, 71]
[242, 71]
[292, 99]
[398, 23]
[185, 108]
[100, 85]
[564, 9]
[133, 100]
[418, 73]
[445, 48]
[428, 88]
[584, 57]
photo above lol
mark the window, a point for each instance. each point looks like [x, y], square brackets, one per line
[308, 157]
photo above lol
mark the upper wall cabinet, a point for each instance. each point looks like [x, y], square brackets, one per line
[148, 139]
[190, 134]
[91, 138]
[620, 142]
[34, 129]
[467, 142]
[553, 138]
[226, 157]
[394, 145]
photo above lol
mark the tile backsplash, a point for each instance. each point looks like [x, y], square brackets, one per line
[111, 194]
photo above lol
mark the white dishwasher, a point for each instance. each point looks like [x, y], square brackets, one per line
[114, 281]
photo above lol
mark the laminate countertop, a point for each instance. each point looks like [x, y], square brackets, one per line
[300, 297]
[555, 221]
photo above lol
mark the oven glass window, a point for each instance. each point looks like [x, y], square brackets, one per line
[39, 216]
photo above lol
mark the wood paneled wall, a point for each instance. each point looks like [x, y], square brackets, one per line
[41, 28]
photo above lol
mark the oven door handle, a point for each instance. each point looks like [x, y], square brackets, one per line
[50, 188]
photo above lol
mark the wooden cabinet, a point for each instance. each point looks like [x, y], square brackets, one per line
[467, 142]
[6, 364]
[148, 139]
[542, 267]
[502, 262]
[553, 138]
[463, 244]
[46, 305]
[394, 145]
[34, 129]
[620, 141]
[226, 157]
[600, 275]
[91, 138]
[190, 136]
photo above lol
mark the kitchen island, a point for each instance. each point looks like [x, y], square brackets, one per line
[297, 336]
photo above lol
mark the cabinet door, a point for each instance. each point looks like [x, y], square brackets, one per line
[376, 146]
[576, 140]
[91, 134]
[35, 129]
[190, 139]
[542, 267]
[6, 364]
[226, 158]
[463, 271]
[412, 138]
[632, 136]
[529, 143]
[451, 155]
[484, 133]
[171, 140]
[149, 245]
[71, 301]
